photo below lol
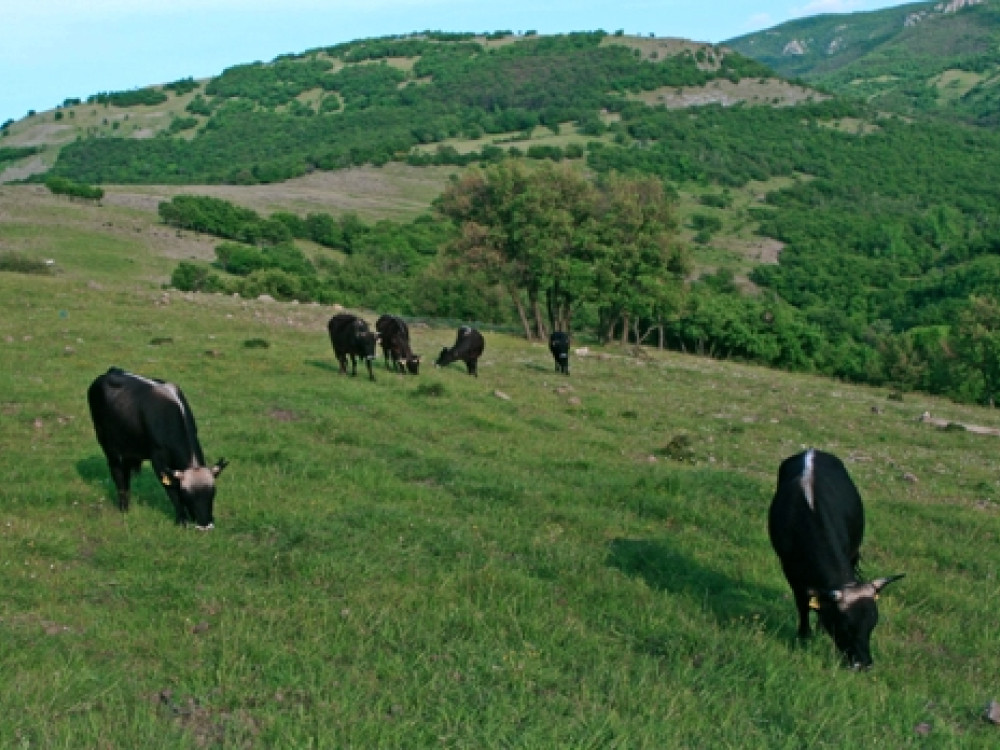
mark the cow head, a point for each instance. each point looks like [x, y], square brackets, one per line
[849, 614]
[413, 365]
[195, 487]
[370, 341]
[442, 359]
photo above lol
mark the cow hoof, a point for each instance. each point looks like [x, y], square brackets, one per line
[205, 528]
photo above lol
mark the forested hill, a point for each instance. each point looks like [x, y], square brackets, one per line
[378, 100]
[940, 57]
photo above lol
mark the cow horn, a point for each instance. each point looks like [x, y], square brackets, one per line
[219, 466]
[881, 583]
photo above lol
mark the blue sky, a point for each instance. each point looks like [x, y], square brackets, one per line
[51, 50]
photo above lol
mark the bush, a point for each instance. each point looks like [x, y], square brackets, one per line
[65, 186]
[274, 282]
[17, 263]
[189, 277]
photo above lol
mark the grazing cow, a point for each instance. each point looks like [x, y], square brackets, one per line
[469, 346]
[559, 346]
[394, 336]
[137, 418]
[816, 523]
[350, 337]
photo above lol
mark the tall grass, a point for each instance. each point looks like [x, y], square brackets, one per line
[417, 562]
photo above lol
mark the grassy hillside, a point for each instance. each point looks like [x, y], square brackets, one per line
[926, 57]
[515, 560]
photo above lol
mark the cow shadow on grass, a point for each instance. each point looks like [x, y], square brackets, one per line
[146, 489]
[729, 600]
[323, 364]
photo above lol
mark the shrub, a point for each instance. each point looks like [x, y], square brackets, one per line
[17, 263]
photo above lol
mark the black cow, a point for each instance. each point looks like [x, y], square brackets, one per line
[394, 336]
[350, 337]
[559, 346]
[137, 418]
[816, 523]
[468, 348]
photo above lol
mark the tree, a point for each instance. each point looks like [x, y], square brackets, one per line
[632, 253]
[548, 235]
[977, 343]
[522, 227]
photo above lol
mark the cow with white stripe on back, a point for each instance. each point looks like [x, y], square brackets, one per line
[816, 524]
[138, 418]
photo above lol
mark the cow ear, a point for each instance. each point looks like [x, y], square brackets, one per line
[219, 466]
[820, 595]
[817, 596]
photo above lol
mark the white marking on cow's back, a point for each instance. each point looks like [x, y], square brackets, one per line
[171, 392]
[168, 390]
[807, 478]
[141, 379]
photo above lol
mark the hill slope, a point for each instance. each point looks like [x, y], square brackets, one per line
[376, 101]
[933, 57]
[420, 562]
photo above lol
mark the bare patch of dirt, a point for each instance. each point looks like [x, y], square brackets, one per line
[727, 93]
[763, 250]
[24, 169]
[393, 191]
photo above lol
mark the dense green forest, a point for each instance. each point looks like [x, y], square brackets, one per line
[889, 227]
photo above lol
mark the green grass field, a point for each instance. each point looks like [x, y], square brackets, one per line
[518, 560]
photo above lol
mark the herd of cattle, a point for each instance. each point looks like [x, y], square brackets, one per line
[351, 337]
[815, 522]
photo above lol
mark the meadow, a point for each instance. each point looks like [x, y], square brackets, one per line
[516, 560]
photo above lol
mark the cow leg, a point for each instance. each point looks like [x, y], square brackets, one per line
[121, 474]
[802, 605]
[371, 375]
[180, 513]
[342, 359]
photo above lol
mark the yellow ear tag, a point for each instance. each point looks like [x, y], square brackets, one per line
[814, 603]
[166, 480]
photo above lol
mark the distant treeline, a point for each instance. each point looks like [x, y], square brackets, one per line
[13, 153]
[388, 265]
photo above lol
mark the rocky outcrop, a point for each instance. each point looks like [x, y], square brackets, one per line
[794, 47]
[953, 6]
